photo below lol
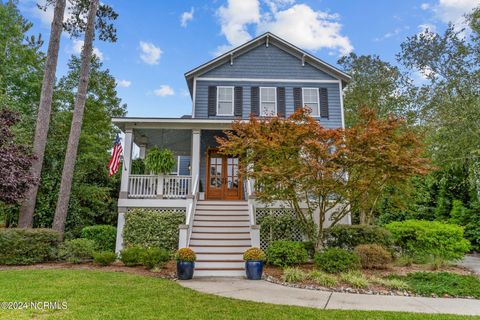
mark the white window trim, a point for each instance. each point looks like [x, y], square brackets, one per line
[260, 100]
[318, 100]
[233, 100]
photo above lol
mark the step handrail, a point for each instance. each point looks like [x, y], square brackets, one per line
[185, 231]
[254, 229]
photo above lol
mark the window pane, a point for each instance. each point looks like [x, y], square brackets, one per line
[313, 107]
[268, 109]
[225, 108]
[267, 94]
[225, 94]
[310, 95]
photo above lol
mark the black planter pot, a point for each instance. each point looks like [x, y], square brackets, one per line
[254, 269]
[185, 270]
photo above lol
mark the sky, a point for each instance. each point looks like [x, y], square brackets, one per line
[159, 40]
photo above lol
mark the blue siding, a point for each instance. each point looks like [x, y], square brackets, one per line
[267, 62]
[183, 167]
[334, 121]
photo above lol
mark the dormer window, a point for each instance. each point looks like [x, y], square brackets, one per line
[311, 100]
[224, 101]
[268, 101]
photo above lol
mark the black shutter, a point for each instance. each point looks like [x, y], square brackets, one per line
[212, 101]
[238, 101]
[255, 101]
[324, 103]
[297, 98]
[281, 101]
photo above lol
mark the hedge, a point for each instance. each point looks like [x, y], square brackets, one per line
[28, 246]
[152, 228]
[429, 239]
[350, 236]
[104, 236]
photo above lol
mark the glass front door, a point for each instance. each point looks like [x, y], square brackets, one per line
[223, 181]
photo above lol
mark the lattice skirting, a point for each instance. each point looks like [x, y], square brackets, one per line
[269, 234]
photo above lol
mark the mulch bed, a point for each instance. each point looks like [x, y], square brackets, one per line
[169, 271]
[274, 274]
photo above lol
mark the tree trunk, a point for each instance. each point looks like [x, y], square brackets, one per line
[25, 219]
[75, 130]
[362, 215]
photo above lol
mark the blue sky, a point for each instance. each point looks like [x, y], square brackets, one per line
[158, 41]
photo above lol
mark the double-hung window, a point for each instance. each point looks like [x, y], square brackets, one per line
[268, 101]
[225, 101]
[311, 100]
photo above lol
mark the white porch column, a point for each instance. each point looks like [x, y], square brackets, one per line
[195, 160]
[143, 150]
[120, 225]
[127, 163]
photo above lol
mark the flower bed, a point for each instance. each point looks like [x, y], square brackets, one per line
[376, 279]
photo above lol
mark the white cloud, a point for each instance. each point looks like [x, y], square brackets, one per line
[150, 54]
[124, 83]
[296, 23]
[235, 17]
[427, 26]
[45, 17]
[163, 91]
[186, 17]
[425, 6]
[77, 49]
[454, 10]
[308, 29]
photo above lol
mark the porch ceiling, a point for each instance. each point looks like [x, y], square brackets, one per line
[177, 140]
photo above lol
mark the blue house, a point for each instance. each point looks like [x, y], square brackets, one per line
[265, 76]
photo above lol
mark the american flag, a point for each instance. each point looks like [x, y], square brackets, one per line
[115, 160]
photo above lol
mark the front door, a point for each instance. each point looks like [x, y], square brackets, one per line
[223, 182]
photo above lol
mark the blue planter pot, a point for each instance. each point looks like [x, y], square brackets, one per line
[254, 270]
[185, 270]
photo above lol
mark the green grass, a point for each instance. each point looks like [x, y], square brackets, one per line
[441, 283]
[107, 295]
[323, 279]
[293, 275]
[354, 278]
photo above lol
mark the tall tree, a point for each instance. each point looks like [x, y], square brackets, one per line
[70, 157]
[43, 115]
[379, 85]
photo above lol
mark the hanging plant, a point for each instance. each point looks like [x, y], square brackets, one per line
[160, 161]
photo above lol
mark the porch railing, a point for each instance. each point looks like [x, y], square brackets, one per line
[153, 186]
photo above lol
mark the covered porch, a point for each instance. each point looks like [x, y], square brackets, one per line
[192, 142]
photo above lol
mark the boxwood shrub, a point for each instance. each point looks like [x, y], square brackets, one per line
[429, 239]
[77, 250]
[286, 253]
[349, 236]
[104, 236]
[152, 228]
[336, 260]
[28, 246]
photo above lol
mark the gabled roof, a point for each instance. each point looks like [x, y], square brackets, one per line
[271, 39]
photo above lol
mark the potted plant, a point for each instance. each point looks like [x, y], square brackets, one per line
[201, 194]
[160, 161]
[254, 258]
[185, 263]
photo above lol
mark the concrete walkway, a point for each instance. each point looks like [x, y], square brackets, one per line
[472, 262]
[263, 291]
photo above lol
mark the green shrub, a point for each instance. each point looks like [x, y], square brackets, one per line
[355, 279]
[323, 279]
[155, 257]
[429, 239]
[132, 256]
[103, 235]
[104, 258]
[350, 236]
[293, 275]
[469, 218]
[373, 256]
[395, 284]
[77, 250]
[152, 228]
[336, 260]
[286, 253]
[28, 246]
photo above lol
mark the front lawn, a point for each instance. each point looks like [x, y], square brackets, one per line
[108, 295]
